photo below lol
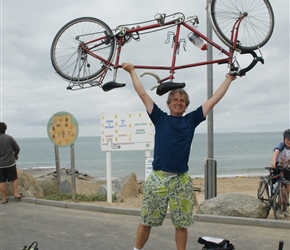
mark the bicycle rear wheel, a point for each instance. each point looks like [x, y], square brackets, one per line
[82, 48]
[255, 29]
[281, 202]
[263, 194]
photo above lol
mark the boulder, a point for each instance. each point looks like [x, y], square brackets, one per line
[122, 187]
[234, 204]
[125, 187]
[27, 185]
[48, 185]
[88, 187]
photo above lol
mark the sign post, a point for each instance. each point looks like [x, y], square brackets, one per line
[62, 130]
[124, 132]
[210, 167]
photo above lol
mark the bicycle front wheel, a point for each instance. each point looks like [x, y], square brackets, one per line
[82, 48]
[255, 29]
[263, 194]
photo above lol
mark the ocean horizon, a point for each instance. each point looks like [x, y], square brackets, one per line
[236, 154]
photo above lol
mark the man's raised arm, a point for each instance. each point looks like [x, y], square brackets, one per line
[218, 95]
[146, 99]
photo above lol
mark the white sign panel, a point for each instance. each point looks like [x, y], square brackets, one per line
[127, 131]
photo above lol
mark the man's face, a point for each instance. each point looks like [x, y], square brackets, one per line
[177, 106]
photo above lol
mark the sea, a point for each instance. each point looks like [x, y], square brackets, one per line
[236, 154]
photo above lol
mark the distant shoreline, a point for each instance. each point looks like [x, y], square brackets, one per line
[197, 133]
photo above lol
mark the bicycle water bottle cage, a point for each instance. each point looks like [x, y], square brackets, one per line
[112, 85]
[165, 87]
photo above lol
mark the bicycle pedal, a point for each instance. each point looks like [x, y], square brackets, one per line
[167, 86]
[112, 85]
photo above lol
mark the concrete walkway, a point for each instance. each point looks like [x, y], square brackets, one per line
[77, 226]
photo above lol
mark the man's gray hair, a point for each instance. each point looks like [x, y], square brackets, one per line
[181, 92]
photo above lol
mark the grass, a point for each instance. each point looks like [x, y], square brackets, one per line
[78, 197]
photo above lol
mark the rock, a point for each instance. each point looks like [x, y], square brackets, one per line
[84, 183]
[48, 185]
[141, 187]
[122, 187]
[88, 187]
[27, 185]
[65, 186]
[233, 204]
[125, 187]
[195, 202]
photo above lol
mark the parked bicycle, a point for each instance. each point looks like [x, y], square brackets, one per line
[275, 196]
[86, 49]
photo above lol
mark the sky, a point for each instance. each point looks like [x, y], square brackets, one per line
[31, 91]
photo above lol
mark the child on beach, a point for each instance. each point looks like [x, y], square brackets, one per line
[281, 157]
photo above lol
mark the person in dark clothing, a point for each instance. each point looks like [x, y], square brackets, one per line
[9, 150]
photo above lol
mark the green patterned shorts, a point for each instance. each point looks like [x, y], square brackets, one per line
[162, 190]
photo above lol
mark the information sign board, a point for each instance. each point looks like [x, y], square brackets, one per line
[127, 131]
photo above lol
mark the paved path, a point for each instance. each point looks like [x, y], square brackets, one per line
[83, 227]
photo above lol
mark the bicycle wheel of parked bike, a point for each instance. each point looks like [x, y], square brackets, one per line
[281, 202]
[255, 29]
[81, 49]
[263, 194]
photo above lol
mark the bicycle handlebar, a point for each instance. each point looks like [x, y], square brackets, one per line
[256, 59]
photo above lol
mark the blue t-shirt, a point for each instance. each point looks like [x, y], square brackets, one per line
[173, 138]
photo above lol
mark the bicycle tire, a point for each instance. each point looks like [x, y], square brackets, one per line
[279, 201]
[255, 29]
[263, 194]
[71, 61]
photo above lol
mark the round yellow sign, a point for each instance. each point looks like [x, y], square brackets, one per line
[62, 129]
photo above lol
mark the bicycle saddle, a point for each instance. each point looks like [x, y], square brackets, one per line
[112, 85]
[167, 86]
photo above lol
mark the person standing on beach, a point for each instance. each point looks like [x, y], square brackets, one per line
[9, 150]
[169, 183]
[281, 157]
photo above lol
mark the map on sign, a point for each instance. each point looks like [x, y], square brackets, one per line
[127, 131]
[62, 129]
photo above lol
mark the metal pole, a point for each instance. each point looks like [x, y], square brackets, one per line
[109, 176]
[210, 163]
[73, 172]
[56, 152]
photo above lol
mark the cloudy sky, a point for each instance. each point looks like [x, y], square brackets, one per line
[31, 92]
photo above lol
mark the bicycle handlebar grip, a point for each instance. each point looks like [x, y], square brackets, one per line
[256, 59]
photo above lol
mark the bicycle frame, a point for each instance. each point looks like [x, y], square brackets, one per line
[178, 21]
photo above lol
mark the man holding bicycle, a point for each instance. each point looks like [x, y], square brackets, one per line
[281, 157]
[169, 183]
